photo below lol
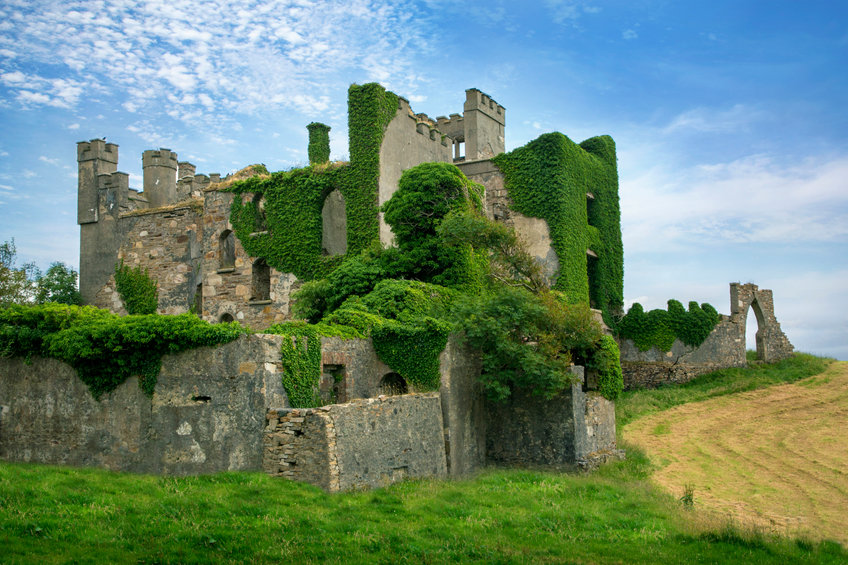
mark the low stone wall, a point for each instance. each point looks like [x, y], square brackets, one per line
[724, 347]
[206, 414]
[568, 430]
[364, 443]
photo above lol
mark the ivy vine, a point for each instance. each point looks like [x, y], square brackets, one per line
[139, 292]
[659, 328]
[549, 178]
[104, 348]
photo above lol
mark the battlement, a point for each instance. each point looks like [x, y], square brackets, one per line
[97, 149]
[159, 158]
[477, 100]
[453, 126]
[185, 169]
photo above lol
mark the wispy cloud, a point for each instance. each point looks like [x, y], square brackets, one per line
[202, 59]
[48, 160]
[711, 120]
[569, 11]
[753, 199]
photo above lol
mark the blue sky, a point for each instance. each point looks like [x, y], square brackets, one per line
[730, 117]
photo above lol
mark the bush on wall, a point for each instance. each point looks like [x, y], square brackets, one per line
[104, 348]
[139, 292]
[659, 328]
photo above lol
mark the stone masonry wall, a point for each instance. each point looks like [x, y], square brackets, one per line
[724, 347]
[575, 428]
[166, 242]
[364, 443]
[227, 290]
[206, 414]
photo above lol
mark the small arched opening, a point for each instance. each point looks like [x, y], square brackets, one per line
[261, 281]
[392, 384]
[754, 324]
[226, 317]
[227, 250]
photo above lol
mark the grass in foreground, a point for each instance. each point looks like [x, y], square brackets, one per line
[637, 403]
[58, 515]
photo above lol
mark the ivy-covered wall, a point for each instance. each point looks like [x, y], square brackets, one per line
[287, 231]
[549, 178]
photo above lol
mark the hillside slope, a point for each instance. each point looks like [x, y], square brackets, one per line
[775, 457]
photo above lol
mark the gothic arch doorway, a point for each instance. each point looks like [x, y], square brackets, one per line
[754, 324]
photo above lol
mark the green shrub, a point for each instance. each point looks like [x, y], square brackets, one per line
[659, 328]
[137, 290]
[106, 349]
[606, 361]
[526, 340]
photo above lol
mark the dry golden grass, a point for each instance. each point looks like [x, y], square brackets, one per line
[774, 458]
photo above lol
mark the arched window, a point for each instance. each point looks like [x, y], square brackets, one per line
[261, 287]
[227, 250]
[392, 384]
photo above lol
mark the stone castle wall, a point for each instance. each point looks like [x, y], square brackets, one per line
[206, 414]
[725, 346]
[224, 409]
[362, 444]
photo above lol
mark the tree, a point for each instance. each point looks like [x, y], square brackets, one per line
[17, 285]
[58, 284]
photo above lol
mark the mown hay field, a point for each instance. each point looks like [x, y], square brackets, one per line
[773, 458]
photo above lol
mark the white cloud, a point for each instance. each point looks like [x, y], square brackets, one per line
[74, 126]
[754, 199]
[736, 118]
[4, 153]
[569, 11]
[216, 57]
[6, 187]
[629, 34]
[48, 160]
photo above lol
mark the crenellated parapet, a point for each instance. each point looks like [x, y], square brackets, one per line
[480, 101]
[159, 167]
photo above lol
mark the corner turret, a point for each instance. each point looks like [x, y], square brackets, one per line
[159, 167]
[94, 158]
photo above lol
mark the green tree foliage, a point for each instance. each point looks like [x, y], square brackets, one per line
[104, 348]
[16, 283]
[426, 194]
[58, 284]
[138, 291]
[528, 340]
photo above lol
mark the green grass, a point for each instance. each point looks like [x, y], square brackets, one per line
[634, 404]
[60, 515]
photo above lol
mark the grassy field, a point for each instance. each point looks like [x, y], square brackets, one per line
[617, 515]
[775, 457]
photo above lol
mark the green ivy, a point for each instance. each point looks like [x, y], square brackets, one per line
[659, 328]
[413, 349]
[137, 290]
[106, 349]
[319, 143]
[293, 200]
[606, 360]
[548, 178]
